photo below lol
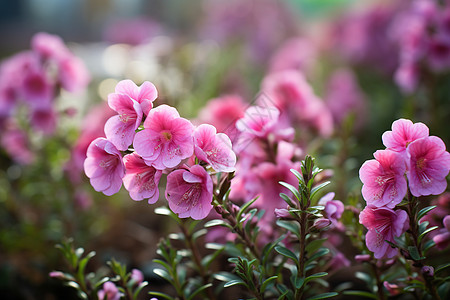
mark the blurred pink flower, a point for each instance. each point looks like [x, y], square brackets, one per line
[73, 74]
[222, 113]
[109, 292]
[166, 140]
[120, 129]
[214, 148]
[189, 192]
[49, 46]
[294, 54]
[37, 89]
[137, 276]
[44, 119]
[83, 200]
[258, 121]
[141, 180]
[134, 31]
[428, 166]
[442, 238]
[104, 166]
[439, 53]
[383, 179]
[16, 143]
[383, 224]
[393, 289]
[407, 77]
[144, 94]
[344, 97]
[403, 133]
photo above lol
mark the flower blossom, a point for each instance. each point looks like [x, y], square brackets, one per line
[383, 179]
[140, 179]
[189, 192]
[144, 94]
[384, 224]
[403, 133]
[109, 292]
[333, 208]
[214, 148]
[104, 166]
[442, 239]
[166, 139]
[428, 166]
[120, 129]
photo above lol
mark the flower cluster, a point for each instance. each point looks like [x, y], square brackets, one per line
[412, 152]
[33, 79]
[164, 143]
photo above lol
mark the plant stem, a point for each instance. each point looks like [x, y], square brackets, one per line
[376, 272]
[302, 259]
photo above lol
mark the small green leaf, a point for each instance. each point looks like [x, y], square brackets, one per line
[216, 222]
[423, 234]
[162, 295]
[287, 199]
[299, 176]
[321, 252]
[139, 289]
[293, 190]
[207, 260]
[287, 253]
[363, 294]
[316, 189]
[234, 282]
[441, 268]
[424, 211]
[163, 211]
[267, 282]
[162, 273]
[200, 289]
[364, 277]
[314, 245]
[323, 296]
[244, 208]
[298, 282]
[291, 226]
[314, 276]
[414, 253]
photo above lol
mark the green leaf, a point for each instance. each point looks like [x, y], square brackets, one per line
[428, 244]
[287, 199]
[414, 253]
[100, 282]
[158, 294]
[84, 261]
[323, 296]
[163, 211]
[207, 260]
[199, 233]
[423, 234]
[162, 263]
[287, 253]
[314, 276]
[298, 175]
[216, 222]
[314, 245]
[424, 211]
[316, 189]
[225, 276]
[360, 294]
[139, 289]
[234, 282]
[291, 226]
[267, 282]
[441, 268]
[244, 208]
[298, 282]
[321, 252]
[162, 273]
[364, 277]
[293, 190]
[268, 249]
[199, 290]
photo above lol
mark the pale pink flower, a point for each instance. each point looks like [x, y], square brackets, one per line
[428, 166]
[384, 183]
[140, 179]
[333, 208]
[109, 292]
[258, 121]
[144, 94]
[166, 140]
[72, 73]
[442, 238]
[214, 148]
[403, 133]
[294, 54]
[137, 276]
[383, 224]
[104, 166]
[120, 129]
[49, 46]
[407, 77]
[190, 192]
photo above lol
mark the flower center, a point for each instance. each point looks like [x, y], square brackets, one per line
[166, 135]
[421, 163]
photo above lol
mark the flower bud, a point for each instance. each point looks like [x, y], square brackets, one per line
[57, 275]
[427, 271]
[362, 258]
[321, 223]
[282, 213]
[137, 276]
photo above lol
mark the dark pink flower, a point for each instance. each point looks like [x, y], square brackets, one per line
[44, 119]
[120, 129]
[166, 140]
[403, 133]
[384, 183]
[109, 292]
[140, 179]
[189, 192]
[37, 89]
[428, 166]
[104, 166]
[16, 143]
[144, 94]
[214, 148]
[383, 224]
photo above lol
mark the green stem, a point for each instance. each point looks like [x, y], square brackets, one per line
[381, 295]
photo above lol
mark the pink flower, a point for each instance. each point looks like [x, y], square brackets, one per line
[104, 166]
[137, 276]
[383, 179]
[72, 73]
[403, 133]
[140, 179]
[214, 148]
[383, 224]
[16, 143]
[442, 239]
[49, 46]
[428, 165]
[44, 119]
[407, 77]
[189, 192]
[109, 292]
[37, 89]
[166, 139]
[144, 94]
[258, 121]
[333, 208]
[120, 129]
[296, 54]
